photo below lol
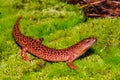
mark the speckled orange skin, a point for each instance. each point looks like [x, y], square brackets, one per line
[36, 48]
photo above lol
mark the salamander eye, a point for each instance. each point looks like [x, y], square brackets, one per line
[87, 41]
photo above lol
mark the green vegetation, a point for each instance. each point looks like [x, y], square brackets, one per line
[61, 25]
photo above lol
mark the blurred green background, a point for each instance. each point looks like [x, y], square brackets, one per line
[61, 25]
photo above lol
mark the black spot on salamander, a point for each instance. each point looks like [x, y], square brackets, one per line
[61, 53]
[17, 35]
[37, 47]
[58, 52]
[65, 53]
[50, 54]
[30, 41]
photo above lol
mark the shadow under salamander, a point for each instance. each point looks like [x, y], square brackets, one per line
[87, 53]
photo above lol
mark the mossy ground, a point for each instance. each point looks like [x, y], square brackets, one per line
[61, 25]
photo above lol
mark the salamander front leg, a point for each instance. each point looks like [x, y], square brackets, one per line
[23, 53]
[70, 64]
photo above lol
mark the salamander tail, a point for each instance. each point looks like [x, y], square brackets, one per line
[16, 30]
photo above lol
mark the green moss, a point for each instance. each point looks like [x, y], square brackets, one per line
[61, 25]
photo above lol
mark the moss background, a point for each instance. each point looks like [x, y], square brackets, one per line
[61, 25]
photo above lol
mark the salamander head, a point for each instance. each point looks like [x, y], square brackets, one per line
[88, 42]
[85, 44]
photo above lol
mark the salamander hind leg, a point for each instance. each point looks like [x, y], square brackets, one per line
[23, 54]
[69, 62]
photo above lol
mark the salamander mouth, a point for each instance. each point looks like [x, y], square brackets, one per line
[84, 51]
